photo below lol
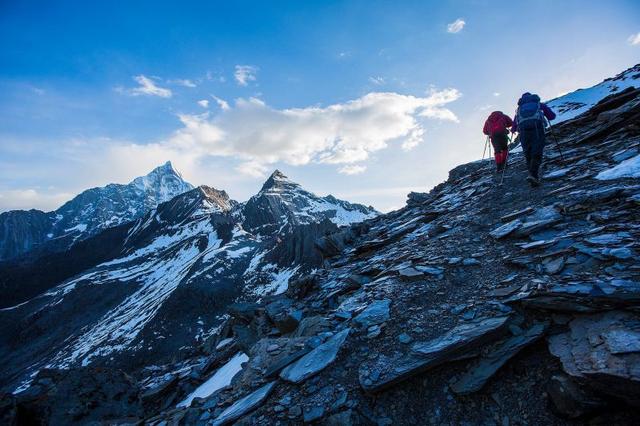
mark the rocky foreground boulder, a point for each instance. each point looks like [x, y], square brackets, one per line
[477, 303]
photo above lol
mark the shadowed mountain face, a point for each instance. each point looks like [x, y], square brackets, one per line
[87, 214]
[156, 287]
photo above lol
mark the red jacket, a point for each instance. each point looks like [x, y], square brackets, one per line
[497, 123]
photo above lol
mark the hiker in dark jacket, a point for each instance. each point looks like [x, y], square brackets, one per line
[497, 128]
[530, 123]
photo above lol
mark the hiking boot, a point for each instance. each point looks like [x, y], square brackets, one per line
[533, 181]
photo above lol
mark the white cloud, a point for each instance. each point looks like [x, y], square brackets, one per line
[244, 74]
[352, 169]
[496, 94]
[260, 136]
[634, 39]
[13, 199]
[203, 103]
[378, 81]
[456, 26]
[148, 87]
[184, 82]
[224, 105]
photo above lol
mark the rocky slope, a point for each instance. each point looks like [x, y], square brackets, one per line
[87, 214]
[477, 303]
[159, 286]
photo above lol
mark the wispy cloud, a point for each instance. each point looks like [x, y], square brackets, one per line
[352, 169]
[378, 81]
[147, 87]
[456, 26]
[634, 39]
[204, 103]
[184, 82]
[245, 74]
[224, 105]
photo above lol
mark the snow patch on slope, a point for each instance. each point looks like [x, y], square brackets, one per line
[575, 103]
[629, 168]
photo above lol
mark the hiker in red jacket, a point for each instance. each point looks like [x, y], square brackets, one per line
[497, 128]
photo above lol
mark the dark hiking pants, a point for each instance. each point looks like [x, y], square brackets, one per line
[532, 140]
[499, 142]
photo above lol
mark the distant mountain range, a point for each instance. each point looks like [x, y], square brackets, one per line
[87, 214]
[165, 280]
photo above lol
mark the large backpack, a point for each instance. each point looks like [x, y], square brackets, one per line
[496, 123]
[530, 113]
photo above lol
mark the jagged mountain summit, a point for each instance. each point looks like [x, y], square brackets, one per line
[575, 103]
[163, 283]
[88, 213]
[283, 202]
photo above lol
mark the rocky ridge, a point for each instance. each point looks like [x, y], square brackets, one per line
[477, 303]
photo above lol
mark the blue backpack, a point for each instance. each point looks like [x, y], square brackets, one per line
[529, 113]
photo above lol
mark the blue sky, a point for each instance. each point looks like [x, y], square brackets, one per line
[367, 100]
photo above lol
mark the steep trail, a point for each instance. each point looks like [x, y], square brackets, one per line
[439, 268]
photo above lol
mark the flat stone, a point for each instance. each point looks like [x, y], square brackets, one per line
[608, 239]
[244, 405]
[404, 338]
[621, 253]
[534, 226]
[376, 313]
[274, 368]
[603, 351]
[511, 216]
[622, 341]
[312, 414]
[553, 266]
[373, 331]
[410, 274]
[557, 173]
[431, 270]
[505, 291]
[316, 360]
[458, 343]
[311, 326]
[506, 229]
[481, 371]
[582, 297]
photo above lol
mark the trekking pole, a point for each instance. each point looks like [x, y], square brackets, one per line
[486, 142]
[555, 138]
[506, 161]
[557, 144]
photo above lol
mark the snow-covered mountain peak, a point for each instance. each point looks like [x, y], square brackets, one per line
[282, 202]
[90, 212]
[278, 181]
[164, 181]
